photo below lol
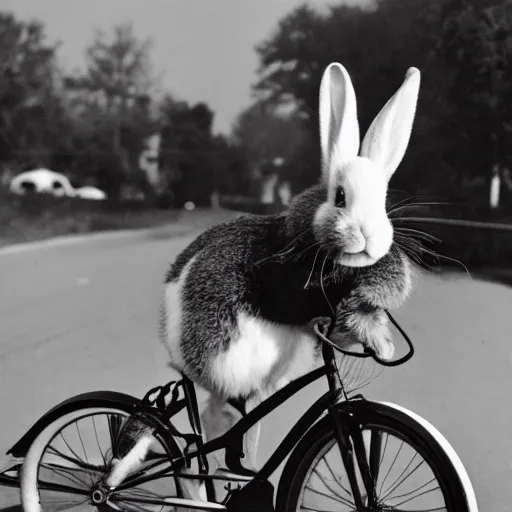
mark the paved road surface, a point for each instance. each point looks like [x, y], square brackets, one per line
[84, 317]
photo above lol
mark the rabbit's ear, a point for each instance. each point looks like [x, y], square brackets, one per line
[389, 134]
[339, 128]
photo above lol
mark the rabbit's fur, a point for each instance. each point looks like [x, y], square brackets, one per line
[253, 274]
[239, 299]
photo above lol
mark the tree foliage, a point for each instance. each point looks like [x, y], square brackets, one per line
[93, 124]
[267, 134]
[477, 44]
[462, 48]
[31, 112]
[111, 102]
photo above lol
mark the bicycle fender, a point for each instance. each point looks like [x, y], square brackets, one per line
[82, 401]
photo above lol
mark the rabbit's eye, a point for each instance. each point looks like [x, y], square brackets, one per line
[339, 200]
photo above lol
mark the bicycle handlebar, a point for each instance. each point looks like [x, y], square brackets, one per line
[367, 351]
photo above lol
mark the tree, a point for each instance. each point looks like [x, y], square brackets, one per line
[476, 43]
[293, 59]
[377, 45]
[266, 134]
[31, 113]
[187, 149]
[233, 168]
[113, 97]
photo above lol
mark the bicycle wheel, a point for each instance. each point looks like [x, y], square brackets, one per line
[72, 455]
[423, 472]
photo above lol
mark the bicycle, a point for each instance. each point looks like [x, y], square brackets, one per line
[351, 426]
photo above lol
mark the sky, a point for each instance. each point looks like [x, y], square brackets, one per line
[204, 49]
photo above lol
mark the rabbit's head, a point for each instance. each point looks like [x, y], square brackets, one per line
[351, 216]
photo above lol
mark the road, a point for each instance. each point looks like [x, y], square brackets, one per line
[84, 317]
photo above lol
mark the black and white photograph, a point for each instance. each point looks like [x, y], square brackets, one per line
[255, 256]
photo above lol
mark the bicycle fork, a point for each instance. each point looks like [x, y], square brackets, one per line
[350, 442]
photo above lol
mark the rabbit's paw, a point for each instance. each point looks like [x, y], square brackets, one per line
[372, 331]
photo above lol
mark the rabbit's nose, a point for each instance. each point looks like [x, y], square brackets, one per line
[356, 243]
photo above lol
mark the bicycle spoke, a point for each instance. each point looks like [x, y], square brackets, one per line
[65, 505]
[78, 463]
[400, 482]
[131, 507]
[415, 490]
[138, 492]
[392, 464]
[81, 442]
[417, 496]
[341, 498]
[98, 442]
[140, 496]
[384, 449]
[47, 486]
[336, 477]
[72, 478]
[338, 499]
[114, 427]
[71, 449]
[139, 478]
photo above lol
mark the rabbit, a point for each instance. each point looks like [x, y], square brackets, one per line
[238, 302]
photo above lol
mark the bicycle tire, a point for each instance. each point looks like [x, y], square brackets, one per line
[29, 485]
[447, 467]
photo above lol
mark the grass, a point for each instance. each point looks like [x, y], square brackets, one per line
[39, 217]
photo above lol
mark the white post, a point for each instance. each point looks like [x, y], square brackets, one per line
[495, 187]
[268, 189]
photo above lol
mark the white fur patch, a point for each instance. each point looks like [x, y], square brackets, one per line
[362, 225]
[172, 317]
[130, 462]
[265, 356]
[324, 211]
[410, 276]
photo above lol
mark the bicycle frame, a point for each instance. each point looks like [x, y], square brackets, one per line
[349, 439]
[232, 440]
[339, 413]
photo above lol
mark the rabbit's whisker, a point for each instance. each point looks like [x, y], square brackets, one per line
[357, 374]
[322, 282]
[404, 201]
[312, 268]
[375, 373]
[411, 247]
[421, 249]
[420, 234]
[413, 244]
[415, 205]
[405, 241]
[287, 249]
[448, 258]
[410, 198]
[297, 257]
